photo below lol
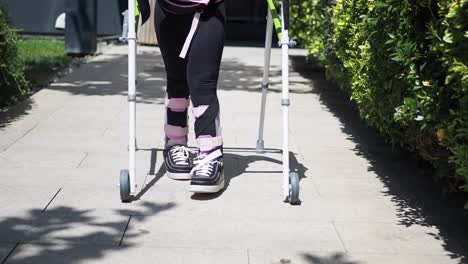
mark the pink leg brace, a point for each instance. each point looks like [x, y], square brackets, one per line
[175, 134]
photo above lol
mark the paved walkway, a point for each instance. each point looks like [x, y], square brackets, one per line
[61, 152]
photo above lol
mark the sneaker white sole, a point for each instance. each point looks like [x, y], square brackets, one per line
[207, 188]
[179, 176]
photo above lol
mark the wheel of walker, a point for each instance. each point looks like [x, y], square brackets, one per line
[294, 189]
[125, 186]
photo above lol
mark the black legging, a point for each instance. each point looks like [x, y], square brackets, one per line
[195, 77]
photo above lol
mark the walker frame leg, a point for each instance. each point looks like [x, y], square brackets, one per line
[127, 177]
[285, 102]
[290, 179]
[132, 94]
[266, 72]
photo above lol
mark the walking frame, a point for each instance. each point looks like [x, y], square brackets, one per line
[290, 184]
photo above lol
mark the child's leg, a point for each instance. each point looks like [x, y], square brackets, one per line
[171, 31]
[204, 61]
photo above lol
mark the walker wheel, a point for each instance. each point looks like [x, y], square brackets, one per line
[125, 186]
[293, 196]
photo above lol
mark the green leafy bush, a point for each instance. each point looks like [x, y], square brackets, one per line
[12, 81]
[313, 29]
[404, 63]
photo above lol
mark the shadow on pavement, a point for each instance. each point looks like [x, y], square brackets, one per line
[99, 80]
[12, 114]
[157, 175]
[237, 165]
[52, 236]
[335, 258]
[409, 181]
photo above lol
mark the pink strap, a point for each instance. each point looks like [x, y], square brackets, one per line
[171, 142]
[175, 131]
[177, 104]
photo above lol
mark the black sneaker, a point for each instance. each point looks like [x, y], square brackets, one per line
[208, 174]
[178, 163]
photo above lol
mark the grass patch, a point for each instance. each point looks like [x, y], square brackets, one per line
[42, 58]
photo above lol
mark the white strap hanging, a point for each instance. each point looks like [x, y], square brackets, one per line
[188, 40]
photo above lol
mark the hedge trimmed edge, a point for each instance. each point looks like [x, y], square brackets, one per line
[405, 64]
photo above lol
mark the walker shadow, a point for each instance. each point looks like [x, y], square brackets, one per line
[335, 258]
[157, 175]
[407, 179]
[55, 234]
[236, 165]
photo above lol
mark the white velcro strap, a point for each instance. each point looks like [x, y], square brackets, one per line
[209, 143]
[199, 110]
[188, 40]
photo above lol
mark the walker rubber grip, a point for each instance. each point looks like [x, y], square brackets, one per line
[276, 18]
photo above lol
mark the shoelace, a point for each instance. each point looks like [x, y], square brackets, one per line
[180, 154]
[204, 164]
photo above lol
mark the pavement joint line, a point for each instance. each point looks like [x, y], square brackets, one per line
[248, 256]
[45, 208]
[10, 253]
[339, 236]
[316, 189]
[81, 161]
[104, 132]
[22, 136]
[125, 230]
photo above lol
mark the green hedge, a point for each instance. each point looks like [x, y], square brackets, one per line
[12, 81]
[404, 63]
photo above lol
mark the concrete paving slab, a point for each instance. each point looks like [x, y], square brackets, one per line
[239, 202]
[34, 253]
[240, 198]
[18, 121]
[350, 188]
[43, 177]
[20, 198]
[18, 157]
[314, 257]
[299, 256]
[407, 258]
[31, 177]
[205, 232]
[73, 142]
[98, 198]
[64, 225]
[391, 238]
[328, 169]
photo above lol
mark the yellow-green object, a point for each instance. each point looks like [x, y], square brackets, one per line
[137, 10]
[276, 18]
